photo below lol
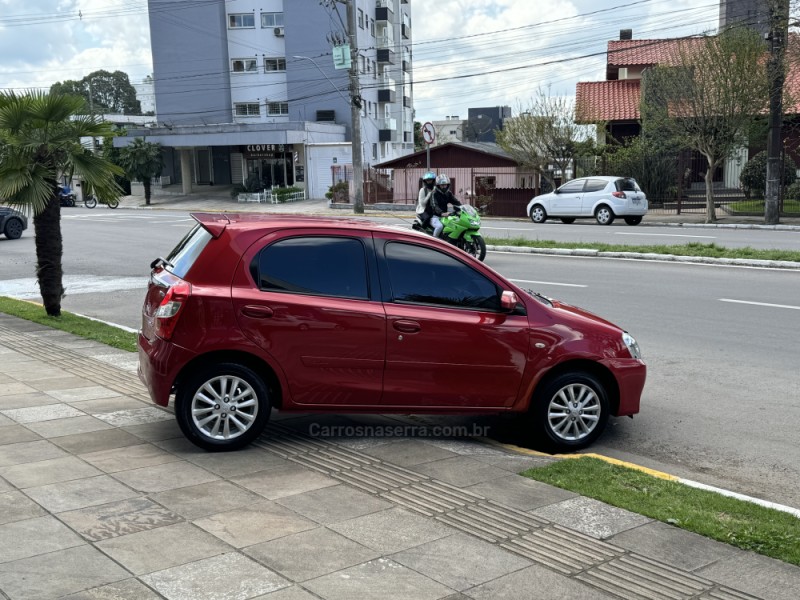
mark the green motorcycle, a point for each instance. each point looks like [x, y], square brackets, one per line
[460, 229]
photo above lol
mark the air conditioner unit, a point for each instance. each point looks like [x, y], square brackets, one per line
[278, 31]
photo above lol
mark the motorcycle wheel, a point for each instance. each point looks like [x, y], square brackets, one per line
[90, 201]
[476, 247]
[114, 203]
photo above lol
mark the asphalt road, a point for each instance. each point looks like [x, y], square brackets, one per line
[721, 403]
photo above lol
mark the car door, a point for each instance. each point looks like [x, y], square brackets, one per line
[567, 201]
[307, 299]
[593, 191]
[448, 342]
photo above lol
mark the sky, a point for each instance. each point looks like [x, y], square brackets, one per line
[466, 53]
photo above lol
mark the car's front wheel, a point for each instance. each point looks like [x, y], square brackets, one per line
[13, 229]
[569, 412]
[633, 220]
[222, 407]
[538, 214]
[604, 215]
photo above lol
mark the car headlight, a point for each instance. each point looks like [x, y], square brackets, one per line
[632, 346]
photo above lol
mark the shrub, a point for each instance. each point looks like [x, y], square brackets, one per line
[792, 192]
[282, 193]
[754, 175]
[337, 190]
[652, 162]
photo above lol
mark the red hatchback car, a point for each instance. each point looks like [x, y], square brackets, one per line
[254, 312]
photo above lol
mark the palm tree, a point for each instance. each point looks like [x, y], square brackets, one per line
[40, 140]
[142, 161]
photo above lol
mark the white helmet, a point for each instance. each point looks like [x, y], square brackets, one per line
[442, 180]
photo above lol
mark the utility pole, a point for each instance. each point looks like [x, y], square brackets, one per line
[355, 111]
[778, 31]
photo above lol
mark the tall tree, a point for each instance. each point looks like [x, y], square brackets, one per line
[40, 140]
[708, 97]
[104, 92]
[544, 136]
[142, 161]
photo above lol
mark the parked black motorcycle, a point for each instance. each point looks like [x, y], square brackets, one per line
[66, 195]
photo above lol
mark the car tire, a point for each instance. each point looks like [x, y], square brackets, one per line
[633, 220]
[569, 412]
[568, 220]
[604, 215]
[222, 407]
[538, 214]
[13, 229]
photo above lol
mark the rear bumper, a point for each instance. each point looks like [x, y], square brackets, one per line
[159, 365]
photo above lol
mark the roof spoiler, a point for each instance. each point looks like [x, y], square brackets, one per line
[214, 223]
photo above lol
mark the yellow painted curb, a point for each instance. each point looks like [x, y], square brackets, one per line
[608, 459]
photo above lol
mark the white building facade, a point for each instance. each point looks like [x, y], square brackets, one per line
[243, 89]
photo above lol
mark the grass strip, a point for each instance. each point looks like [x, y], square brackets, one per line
[790, 207]
[691, 249]
[71, 323]
[739, 523]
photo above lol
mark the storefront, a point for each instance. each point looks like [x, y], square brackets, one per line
[272, 164]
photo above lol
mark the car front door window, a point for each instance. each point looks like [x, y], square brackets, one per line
[568, 199]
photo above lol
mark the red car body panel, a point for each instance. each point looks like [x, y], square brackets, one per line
[341, 354]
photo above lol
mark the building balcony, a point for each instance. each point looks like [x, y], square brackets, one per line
[387, 89]
[387, 130]
[405, 31]
[406, 65]
[386, 56]
[406, 102]
[383, 11]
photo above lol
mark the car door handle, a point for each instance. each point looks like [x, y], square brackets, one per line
[407, 326]
[257, 312]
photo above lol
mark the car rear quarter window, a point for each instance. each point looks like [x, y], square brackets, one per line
[595, 185]
[188, 249]
[627, 185]
[420, 275]
[317, 265]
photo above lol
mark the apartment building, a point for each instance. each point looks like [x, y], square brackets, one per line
[247, 88]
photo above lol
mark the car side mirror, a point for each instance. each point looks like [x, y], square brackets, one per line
[508, 300]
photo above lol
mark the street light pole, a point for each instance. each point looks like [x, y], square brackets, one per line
[355, 111]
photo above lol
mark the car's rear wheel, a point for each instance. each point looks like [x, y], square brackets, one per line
[569, 412]
[222, 407]
[538, 214]
[604, 215]
[13, 229]
[568, 220]
[633, 220]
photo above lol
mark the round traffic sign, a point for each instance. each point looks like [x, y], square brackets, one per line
[428, 132]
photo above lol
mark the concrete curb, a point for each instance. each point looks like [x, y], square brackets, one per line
[584, 252]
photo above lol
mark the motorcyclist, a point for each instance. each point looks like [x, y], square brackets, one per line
[442, 196]
[423, 200]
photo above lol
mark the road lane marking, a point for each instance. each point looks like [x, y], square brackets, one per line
[710, 237]
[549, 283]
[767, 304]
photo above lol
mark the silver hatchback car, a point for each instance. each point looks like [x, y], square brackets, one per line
[601, 197]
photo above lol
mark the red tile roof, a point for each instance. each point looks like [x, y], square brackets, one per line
[625, 53]
[617, 100]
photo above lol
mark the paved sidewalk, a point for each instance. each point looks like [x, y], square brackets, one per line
[102, 498]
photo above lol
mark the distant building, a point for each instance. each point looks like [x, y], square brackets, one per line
[754, 13]
[448, 131]
[146, 95]
[482, 122]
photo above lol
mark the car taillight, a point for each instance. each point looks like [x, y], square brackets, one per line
[618, 194]
[169, 311]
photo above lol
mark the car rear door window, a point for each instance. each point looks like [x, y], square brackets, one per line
[316, 265]
[182, 257]
[420, 275]
[595, 185]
